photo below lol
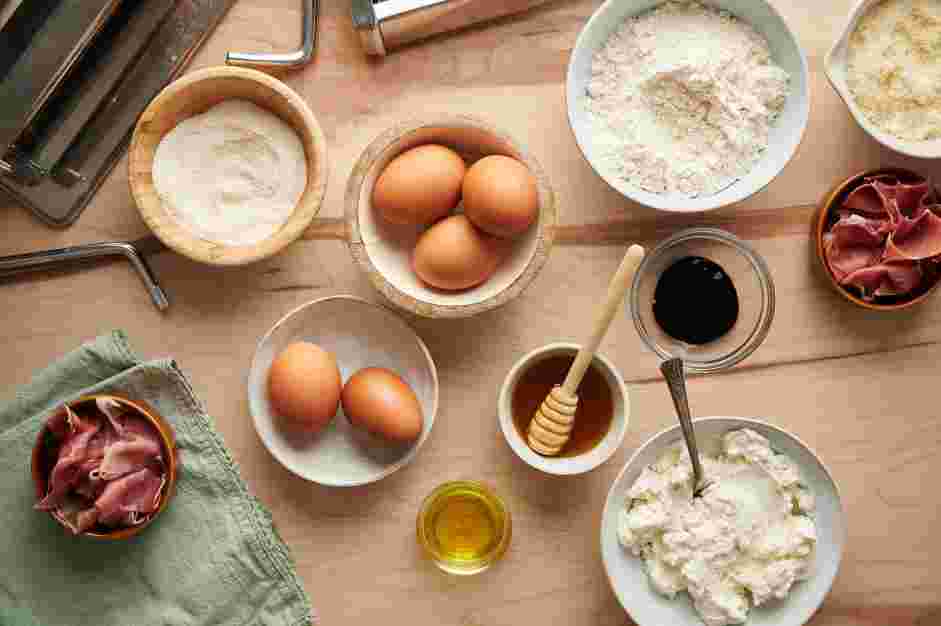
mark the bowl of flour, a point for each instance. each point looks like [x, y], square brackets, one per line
[683, 105]
[228, 166]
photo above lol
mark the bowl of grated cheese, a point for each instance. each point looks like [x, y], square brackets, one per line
[686, 105]
[886, 67]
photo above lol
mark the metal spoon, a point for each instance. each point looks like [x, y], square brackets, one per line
[675, 375]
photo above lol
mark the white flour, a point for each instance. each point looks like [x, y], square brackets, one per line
[232, 175]
[682, 98]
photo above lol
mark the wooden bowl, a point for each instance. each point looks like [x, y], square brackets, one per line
[43, 462]
[384, 251]
[826, 217]
[194, 94]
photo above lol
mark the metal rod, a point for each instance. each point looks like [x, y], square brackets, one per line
[288, 60]
[63, 257]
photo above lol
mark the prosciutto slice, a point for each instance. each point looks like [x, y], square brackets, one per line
[916, 239]
[869, 199]
[128, 455]
[109, 470]
[76, 514]
[113, 412]
[845, 261]
[130, 498]
[910, 198]
[853, 243]
[73, 453]
[885, 229]
[138, 445]
[885, 279]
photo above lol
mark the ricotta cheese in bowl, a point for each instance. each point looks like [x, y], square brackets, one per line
[762, 546]
[747, 540]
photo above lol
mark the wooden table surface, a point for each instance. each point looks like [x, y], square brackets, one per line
[855, 385]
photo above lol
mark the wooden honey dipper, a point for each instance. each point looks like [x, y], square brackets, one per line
[551, 427]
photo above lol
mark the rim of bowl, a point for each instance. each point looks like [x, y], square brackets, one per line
[191, 245]
[410, 455]
[545, 235]
[929, 149]
[742, 422]
[561, 466]
[573, 107]
[167, 442]
[757, 335]
[823, 213]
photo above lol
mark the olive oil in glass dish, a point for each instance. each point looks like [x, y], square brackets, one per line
[464, 527]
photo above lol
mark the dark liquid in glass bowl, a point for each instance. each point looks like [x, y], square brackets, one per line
[695, 301]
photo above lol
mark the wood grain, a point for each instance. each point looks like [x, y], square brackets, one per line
[853, 384]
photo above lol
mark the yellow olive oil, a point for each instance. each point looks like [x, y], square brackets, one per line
[464, 527]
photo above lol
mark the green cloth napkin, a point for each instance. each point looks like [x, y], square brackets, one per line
[211, 558]
[16, 617]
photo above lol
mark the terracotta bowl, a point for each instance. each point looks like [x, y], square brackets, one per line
[826, 216]
[43, 462]
[384, 251]
[194, 94]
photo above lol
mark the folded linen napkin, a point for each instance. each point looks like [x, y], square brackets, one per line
[213, 555]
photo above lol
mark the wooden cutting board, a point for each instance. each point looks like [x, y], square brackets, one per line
[855, 386]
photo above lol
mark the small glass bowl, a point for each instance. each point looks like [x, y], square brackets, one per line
[752, 281]
[481, 496]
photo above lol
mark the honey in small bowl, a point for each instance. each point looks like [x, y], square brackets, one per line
[594, 413]
[464, 527]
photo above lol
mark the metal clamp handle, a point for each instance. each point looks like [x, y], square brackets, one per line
[50, 259]
[288, 60]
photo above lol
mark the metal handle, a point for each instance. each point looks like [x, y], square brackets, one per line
[284, 60]
[51, 259]
[675, 375]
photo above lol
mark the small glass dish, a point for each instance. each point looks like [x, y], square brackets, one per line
[464, 527]
[753, 284]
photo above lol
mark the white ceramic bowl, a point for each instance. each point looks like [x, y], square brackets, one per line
[835, 65]
[785, 135]
[581, 463]
[360, 334]
[629, 579]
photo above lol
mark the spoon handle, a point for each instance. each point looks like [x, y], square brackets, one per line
[675, 376]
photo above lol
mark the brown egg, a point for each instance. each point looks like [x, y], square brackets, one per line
[419, 186]
[378, 400]
[304, 387]
[453, 254]
[500, 196]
